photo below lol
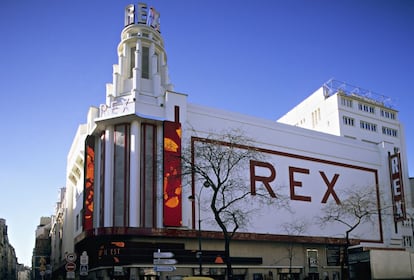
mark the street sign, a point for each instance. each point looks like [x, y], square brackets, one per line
[70, 266]
[163, 255]
[84, 259]
[164, 268]
[70, 275]
[71, 257]
[165, 261]
[83, 270]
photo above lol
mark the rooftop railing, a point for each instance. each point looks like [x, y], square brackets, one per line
[333, 86]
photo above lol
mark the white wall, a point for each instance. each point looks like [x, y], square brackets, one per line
[391, 264]
[358, 165]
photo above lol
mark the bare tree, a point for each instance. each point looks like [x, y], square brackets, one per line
[360, 205]
[221, 163]
[295, 228]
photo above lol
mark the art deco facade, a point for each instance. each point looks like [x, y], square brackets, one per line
[122, 203]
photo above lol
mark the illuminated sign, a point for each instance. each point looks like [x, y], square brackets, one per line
[150, 17]
[172, 174]
[397, 188]
[89, 183]
[111, 251]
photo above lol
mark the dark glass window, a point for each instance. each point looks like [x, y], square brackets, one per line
[145, 63]
[148, 167]
[121, 174]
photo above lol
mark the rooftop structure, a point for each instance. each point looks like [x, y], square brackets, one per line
[333, 86]
[344, 110]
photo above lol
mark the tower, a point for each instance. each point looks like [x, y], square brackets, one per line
[140, 79]
[126, 133]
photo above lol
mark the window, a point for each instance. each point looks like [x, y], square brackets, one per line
[316, 117]
[346, 102]
[157, 61]
[312, 255]
[366, 108]
[301, 122]
[145, 63]
[389, 131]
[148, 176]
[132, 61]
[387, 114]
[77, 222]
[408, 242]
[348, 121]
[101, 207]
[121, 174]
[368, 126]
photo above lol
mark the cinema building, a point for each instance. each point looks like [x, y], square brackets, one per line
[121, 204]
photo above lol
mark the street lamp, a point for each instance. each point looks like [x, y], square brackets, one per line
[199, 254]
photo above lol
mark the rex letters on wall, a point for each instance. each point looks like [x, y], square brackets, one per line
[308, 183]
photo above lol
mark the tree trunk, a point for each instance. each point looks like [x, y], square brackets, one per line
[227, 254]
[346, 276]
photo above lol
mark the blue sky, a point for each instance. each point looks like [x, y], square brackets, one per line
[255, 57]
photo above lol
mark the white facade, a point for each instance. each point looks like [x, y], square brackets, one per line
[341, 109]
[344, 110]
[319, 154]
[68, 211]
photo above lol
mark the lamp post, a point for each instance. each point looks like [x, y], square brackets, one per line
[199, 254]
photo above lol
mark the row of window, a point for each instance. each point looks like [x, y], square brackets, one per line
[366, 108]
[145, 62]
[370, 126]
[408, 241]
[316, 117]
[347, 102]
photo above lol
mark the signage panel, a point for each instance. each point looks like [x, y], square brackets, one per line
[84, 259]
[159, 268]
[70, 266]
[397, 187]
[163, 255]
[83, 270]
[89, 182]
[172, 174]
[305, 184]
[71, 257]
[165, 261]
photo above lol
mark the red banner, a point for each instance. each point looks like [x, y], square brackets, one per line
[172, 174]
[88, 190]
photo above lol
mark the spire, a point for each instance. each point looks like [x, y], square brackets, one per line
[141, 73]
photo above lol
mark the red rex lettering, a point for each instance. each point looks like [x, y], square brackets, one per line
[293, 182]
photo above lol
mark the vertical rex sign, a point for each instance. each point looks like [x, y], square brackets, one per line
[397, 187]
[172, 174]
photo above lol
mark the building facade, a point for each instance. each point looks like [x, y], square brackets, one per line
[8, 260]
[41, 264]
[123, 202]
